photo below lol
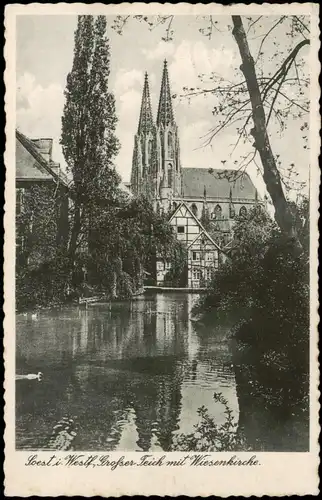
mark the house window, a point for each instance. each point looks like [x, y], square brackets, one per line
[208, 274]
[196, 274]
[195, 256]
[243, 211]
[180, 229]
[194, 210]
[19, 200]
[209, 256]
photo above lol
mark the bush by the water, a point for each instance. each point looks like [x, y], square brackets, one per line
[266, 282]
[208, 435]
[269, 284]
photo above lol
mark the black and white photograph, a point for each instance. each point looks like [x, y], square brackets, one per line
[163, 233]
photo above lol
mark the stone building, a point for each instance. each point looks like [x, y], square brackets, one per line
[210, 198]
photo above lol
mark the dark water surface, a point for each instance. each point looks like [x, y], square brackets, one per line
[122, 377]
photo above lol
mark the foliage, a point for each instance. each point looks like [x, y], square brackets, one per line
[177, 257]
[41, 260]
[113, 239]
[269, 286]
[260, 264]
[88, 127]
[210, 436]
[205, 218]
[46, 284]
[235, 281]
[38, 224]
[133, 235]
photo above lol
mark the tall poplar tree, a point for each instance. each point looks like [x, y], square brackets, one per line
[88, 128]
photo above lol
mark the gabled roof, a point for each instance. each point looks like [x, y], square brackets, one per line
[182, 203]
[203, 230]
[39, 169]
[218, 183]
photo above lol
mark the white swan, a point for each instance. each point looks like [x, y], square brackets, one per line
[30, 376]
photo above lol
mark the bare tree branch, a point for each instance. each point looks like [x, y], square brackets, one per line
[267, 35]
[253, 23]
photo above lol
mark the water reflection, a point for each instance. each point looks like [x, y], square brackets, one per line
[122, 377]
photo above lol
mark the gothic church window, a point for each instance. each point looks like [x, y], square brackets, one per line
[194, 210]
[170, 145]
[243, 211]
[170, 174]
[150, 144]
[217, 213]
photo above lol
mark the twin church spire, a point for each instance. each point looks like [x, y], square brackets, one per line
[146, 119]
[156, 169]
[165, 112]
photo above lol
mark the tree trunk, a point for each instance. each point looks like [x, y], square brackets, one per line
[271, 175]
[114, 285]
[73, 238]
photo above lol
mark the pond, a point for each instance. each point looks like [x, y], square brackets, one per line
[123, 376]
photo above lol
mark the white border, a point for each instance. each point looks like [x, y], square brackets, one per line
[279, 473]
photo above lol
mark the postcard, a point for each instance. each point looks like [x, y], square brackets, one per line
[161, 249]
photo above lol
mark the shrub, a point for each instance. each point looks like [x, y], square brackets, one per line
[208, 435]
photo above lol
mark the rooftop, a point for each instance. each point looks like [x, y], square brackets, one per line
[218, 184]
[32, 163]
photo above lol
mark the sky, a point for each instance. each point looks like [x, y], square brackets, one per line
[44, 55]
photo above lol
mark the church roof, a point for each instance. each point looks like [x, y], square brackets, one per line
[165, 111]
[218, 184]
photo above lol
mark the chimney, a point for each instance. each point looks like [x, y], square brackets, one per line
[45, 147]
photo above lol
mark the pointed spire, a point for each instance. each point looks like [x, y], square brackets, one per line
[146, 119]
[165, 112]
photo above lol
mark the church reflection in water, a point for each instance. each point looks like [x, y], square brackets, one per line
[126, 376]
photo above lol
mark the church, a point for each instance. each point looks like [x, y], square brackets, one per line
[201, 203]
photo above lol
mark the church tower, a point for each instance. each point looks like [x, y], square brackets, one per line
[143, 163]
[168, 167]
